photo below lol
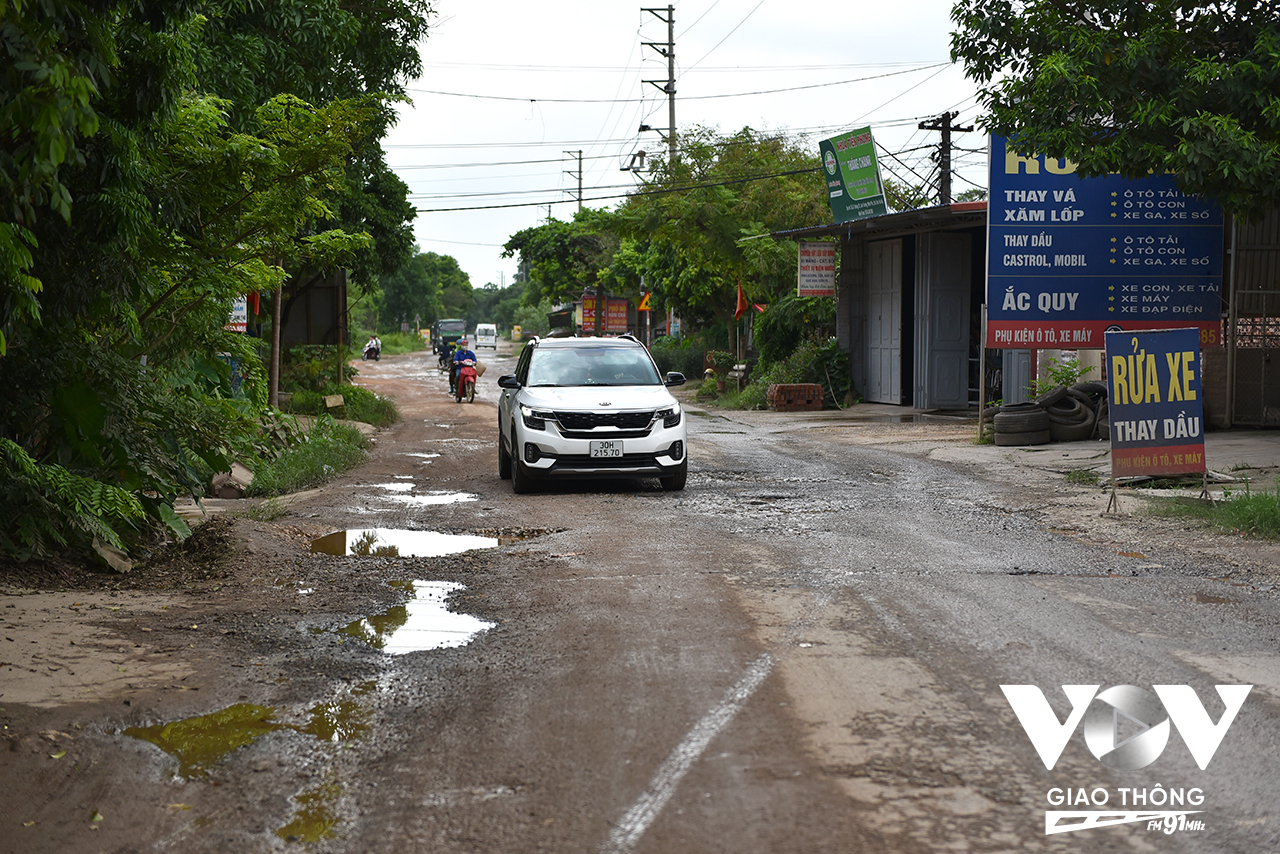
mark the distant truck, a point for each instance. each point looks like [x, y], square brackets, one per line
[486, 335]
[447, 331]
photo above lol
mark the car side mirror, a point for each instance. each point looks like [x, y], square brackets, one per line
[674, 378]
[508, 381]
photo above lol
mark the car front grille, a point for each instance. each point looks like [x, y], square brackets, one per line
[582, 462]
[579, 421]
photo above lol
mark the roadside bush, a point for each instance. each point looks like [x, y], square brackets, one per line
[1066, 373]
[362, 404]
[328, 450]
[313, 367]
[789, 320]
[685, 356]
[821, 362]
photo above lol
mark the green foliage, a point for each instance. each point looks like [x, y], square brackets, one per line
[1249, 513]
[563, 258]
[1066, 373]
[328, 450]
[692, 220]
[532, 319]
[429, 287]
[1133, 86]
[361, 404]
[314, 367]
[684, 355]
[790, 320]
[1082, 477]
[138, 207]
[721, 361]
[821, 362]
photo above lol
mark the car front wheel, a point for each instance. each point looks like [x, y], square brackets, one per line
[504, 460]
[521, 480]
[676, 481]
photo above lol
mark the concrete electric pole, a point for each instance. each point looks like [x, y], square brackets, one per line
[943, 123]
[669, 85]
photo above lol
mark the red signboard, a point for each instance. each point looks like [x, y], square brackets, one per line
[615, 318]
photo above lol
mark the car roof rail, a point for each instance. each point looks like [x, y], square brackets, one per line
[629, 337]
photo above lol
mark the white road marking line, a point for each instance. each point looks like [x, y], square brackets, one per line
[633, 825]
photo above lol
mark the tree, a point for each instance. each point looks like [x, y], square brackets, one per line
[140, 209]
[702, 222]
[430, 286]
[1132, 86]
[563, 258]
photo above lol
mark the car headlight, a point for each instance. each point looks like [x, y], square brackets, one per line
[535, 419]
[670, 416]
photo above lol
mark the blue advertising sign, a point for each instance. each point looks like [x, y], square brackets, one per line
[1071, 258]
[1153, 399]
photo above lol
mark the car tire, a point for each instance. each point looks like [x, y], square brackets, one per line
[504, 460]
[1021, 421]
[1020, 438]
[676, 482]
[1052, 396]
[521, 479]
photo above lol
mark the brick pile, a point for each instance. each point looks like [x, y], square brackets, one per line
[794, 397]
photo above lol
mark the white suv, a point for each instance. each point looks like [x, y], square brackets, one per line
[590, 407]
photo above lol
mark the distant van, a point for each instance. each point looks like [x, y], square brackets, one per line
[486, 335]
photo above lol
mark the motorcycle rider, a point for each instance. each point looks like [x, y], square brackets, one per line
[373, 347]
[460, 354]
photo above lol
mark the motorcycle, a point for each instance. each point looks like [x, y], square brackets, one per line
[446, 357]
[370, 352]
[466, 381]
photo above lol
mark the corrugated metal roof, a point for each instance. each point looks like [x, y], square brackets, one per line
[938, 218]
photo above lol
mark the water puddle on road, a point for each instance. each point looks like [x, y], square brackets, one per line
[434, 498]
[422, 623]
[201, 741]
[314, 819]
[396, 542]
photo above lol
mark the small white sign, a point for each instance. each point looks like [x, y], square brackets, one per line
[816, 269]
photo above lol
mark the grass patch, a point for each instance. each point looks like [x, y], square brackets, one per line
[268, 511]
[1248, 513]
[361, 404]
[1082, 477]
[327, 451]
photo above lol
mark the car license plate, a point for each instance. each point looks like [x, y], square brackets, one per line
[605, 449]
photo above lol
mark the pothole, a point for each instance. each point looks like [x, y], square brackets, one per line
[422, 623]
[201, 741]
[398, 542]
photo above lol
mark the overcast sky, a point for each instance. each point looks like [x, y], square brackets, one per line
[512, 91]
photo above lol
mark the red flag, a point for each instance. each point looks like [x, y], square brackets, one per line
[742, 302]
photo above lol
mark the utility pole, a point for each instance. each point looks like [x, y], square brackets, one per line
[578, 174]
[669, 85]
[943, 123]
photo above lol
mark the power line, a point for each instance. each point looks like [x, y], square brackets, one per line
[527, 100]
[633, 193]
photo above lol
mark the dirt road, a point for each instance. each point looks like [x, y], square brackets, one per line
[801, 652]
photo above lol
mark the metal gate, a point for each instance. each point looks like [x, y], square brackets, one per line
[1252, 331]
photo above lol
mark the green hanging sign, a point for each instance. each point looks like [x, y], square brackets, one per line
[853, 176]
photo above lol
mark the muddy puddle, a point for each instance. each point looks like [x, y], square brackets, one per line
[398, 542]
[422, 623]
[200, 742]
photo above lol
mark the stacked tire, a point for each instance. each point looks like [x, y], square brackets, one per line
[1018, 424]
[1076, 412]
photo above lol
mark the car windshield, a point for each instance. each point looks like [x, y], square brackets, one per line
[585, 366]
